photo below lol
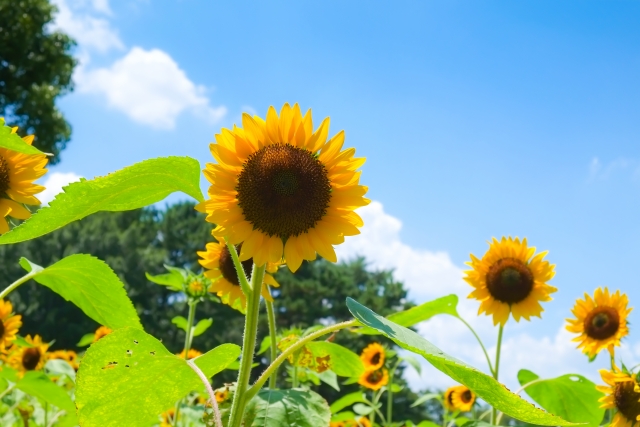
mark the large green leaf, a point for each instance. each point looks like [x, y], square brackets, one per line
[133, 187]
[572, 397]
[13, 142]
[91, 285]
[39, 385]
[128, 378]
[483, 385]
[347, 400]
[286, 408]
[420, 313]
[342, 361]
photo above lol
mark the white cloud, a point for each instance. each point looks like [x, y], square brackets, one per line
[150, 88]
[54, 183]
[91, 32]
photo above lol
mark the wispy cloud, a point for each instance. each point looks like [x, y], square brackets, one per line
[54, 183]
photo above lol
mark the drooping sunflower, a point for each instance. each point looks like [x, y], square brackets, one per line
[224, 277]
[33, 358]
[17, 173]
[510, 279]
[101, 332]
[68, 355]
[374, 380]
[462, 399]
[373, 357]
[622, 392]
[601, 321]
[192, 354]
[9, 325]
[283, 189]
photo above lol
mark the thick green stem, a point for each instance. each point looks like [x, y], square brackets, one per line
[484, 350]
[291, 350]
[271, 315]
[248, 346]
[496, 371]
[242, 278]
[17, 283]
[392, 375]
[294, 377]
[187, 347]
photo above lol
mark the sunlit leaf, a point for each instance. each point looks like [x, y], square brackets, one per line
[483, 385]
[13, 142]
[202, 326]
[133, 187]
[425, 398]
[86, 340]
[174, 279]
[347, 400]
[330, 378]
[413, 362]
[39, 385]
[342, 361]
[286, 408]
[180, 322]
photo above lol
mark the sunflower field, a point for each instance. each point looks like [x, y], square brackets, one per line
[283, 191]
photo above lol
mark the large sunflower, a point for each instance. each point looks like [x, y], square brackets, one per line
[9, 325]
[621, 393]
[283, 189]
[17, 173]
[462, 399]
[601, 321]
[510, 279]
[374, 380]
[373, 357]
[224, 277]
[33, 358]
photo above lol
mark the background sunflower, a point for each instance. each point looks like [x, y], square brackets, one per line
[621, 395]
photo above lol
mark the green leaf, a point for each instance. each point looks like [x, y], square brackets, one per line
[483, 385]
[413, 362]
[180, 322]
[344, 416]
[286, 408]
[91, 285]
[264, 345]
[362, 409]
[21, 342]
[572, 396]
[13, 142]
[60, 367]
[330, 378]
[425, 398]
[86, 340]
[128, 378]
[174, 279]
[133, 187]
[348, 400]
[37, 384]
[202, 326]
[343, 361]
[420, 313]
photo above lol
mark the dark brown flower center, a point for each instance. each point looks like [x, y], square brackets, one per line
[228, 269]
[2, 329]
[376, 358]
[509, 280]
[4, 175]
[375, 377]
[31, 358]
[466, 396]
[626, 400]
[283, 190]
[449, 397]
[602, 323]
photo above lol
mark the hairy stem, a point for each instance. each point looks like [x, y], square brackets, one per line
[212, 395]
[187, 347]
[17, 283]
[242, 278]
[484, 350]
[271, 315]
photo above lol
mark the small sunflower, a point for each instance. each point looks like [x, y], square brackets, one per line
[33, 358]
[222, 395]
[623, 394]
[448, 398]
[101, 332]
[337, 424]
[373, 357]
[68, 355]
[17, 173]
[191, 355]
[374, 380]
[9, 325]
[462, 399]
[601, 321]
[510, 279]
[283, 189]
[362, 422]
[196, 288]
[224, 277]
[168, 418]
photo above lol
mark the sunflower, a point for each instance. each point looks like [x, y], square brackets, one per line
[601, 321]
[33, 358]
[9, 325]
[283, 189]
[374, 380]
[196, 288]
[222, 395]
[68, 355]
[168, 418]
[462, 399]
[510, 279]
[191, 355]
[337, 424]
[224, 278]
[17, 173]
[373, 356]
[448, 398]
[360, 422]
[622, 393]
[101, 332]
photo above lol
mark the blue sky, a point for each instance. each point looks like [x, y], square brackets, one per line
[478, 119]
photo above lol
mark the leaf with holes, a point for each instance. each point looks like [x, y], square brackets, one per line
[13, 142]
[285, 408]
[480, 383]
[133, 187]
[128, 378]
[572, 396]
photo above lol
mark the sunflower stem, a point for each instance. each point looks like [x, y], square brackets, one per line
[494, 412]
[187, 347]
[18, 282]
[484, 350]
[271, 316]
[390, 392]
[242, 277]
[212, 395]
[248, 345]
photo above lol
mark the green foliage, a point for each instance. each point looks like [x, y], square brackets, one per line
[130, 378]
[36, 66]
[91, 285]
[39, 385]
[483, 385]
[133, 187]
[347, 400]
[285, 408]
[342, 361]
[13, 142]
[572, 396]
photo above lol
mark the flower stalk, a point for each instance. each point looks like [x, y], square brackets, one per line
[271, 316]
[494, 411]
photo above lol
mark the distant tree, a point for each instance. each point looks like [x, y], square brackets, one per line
[35, 68]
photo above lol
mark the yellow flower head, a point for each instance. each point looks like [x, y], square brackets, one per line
[191, 355]
[373, 357]
[623, 394]
[168, 418]
[462, 399]
[196, 287]
[222, 395]
[68, 355]
[360, 422]
[33, 358]
[9, 325]
[101, 332]
[283, 189]
[224, 277]
[374, 380]
[17, 173]
[601, 321]
[337, 424]
[510, 279]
